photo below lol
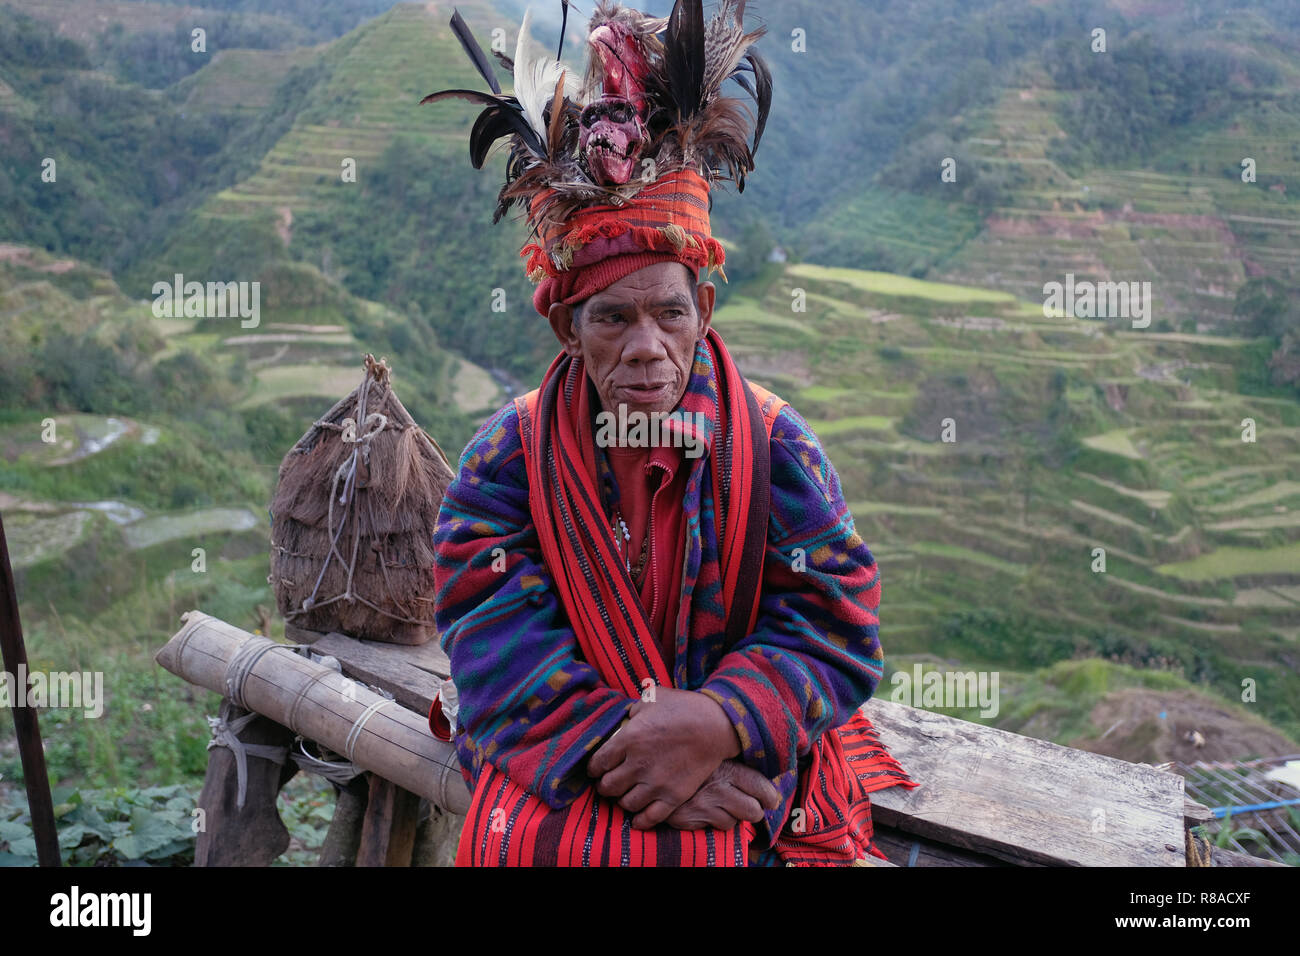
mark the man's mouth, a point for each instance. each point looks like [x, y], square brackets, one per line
[646, 392]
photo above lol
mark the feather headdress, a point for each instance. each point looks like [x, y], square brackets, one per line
[650, 103]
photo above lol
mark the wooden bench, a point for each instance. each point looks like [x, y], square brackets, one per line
[987, 797]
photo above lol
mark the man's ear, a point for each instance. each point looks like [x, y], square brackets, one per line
[561, 318]
[705, 294]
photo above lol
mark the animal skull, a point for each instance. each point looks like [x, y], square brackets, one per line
[612, 139]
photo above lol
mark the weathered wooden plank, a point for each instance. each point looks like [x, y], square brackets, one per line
[437, 839]
[254, 834]
[343, 840]
[1195, 814]
[910, 850]
[1222, 857]
[412, 674]
[377, 823]
[1025, 800]
[401, 841]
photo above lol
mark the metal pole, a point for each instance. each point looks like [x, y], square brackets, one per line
[14, 652]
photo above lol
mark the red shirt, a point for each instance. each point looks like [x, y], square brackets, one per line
[652, 489]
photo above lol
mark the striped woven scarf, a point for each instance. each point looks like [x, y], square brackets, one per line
[506, 824]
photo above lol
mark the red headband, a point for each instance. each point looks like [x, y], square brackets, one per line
[667, 221]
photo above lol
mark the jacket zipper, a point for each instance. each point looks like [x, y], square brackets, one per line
[665, 478]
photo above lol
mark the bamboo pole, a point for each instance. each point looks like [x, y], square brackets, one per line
[377, 734]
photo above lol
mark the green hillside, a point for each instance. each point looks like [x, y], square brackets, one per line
[1123, 165]
[409, 214]
[1066, 436]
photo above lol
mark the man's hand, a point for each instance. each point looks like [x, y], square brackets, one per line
[733, 793]
[663, 754]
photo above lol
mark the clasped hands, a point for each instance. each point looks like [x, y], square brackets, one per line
[672, 761]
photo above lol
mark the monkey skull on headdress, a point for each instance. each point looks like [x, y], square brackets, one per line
[612, 138]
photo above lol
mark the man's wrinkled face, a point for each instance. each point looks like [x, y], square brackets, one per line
[637, 338]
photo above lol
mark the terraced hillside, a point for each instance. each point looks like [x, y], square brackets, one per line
[372, 83]
[1059, 191]
[1194, 233]
[988, 452]
[242, 81]
[374, 190]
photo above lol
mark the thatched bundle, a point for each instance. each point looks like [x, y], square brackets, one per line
[353, 519]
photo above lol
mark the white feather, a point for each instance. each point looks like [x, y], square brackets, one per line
[535, 80]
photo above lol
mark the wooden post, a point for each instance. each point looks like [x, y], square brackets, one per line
[35, 776]
[254, 834]
[388, 833]
[438, 838]
[343, 841]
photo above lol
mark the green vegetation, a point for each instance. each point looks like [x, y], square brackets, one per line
[886, 284]
[1141, 93]
[1229, 562]
[153, 826]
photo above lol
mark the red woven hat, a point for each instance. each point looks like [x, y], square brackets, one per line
[667, 221]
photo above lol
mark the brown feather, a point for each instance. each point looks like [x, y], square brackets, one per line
[717, 136]
[553, 138]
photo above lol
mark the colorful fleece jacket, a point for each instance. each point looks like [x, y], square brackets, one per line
[532, 707]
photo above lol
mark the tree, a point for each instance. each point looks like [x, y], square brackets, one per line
[1268, 308]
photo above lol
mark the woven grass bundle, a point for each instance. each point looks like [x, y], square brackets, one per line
[353, 519]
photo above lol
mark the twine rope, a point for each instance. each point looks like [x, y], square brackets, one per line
[225, 733]
[242, 663]
[355, 733]
[340, 772]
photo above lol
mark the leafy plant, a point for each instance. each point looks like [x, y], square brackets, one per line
[306, 805]
[1228, 834]
[151, 826]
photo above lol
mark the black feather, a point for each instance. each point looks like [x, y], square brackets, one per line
[564, 23]
[490, 126]
[473, 96]
[763, 89]
[508, 111]
[748, 87]
[475, 52]
[684, 56]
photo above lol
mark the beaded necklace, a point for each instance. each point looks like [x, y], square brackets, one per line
[639, 571]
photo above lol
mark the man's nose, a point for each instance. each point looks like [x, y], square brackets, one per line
[645, 343]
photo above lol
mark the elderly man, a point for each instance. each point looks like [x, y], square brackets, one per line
[660, 636]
